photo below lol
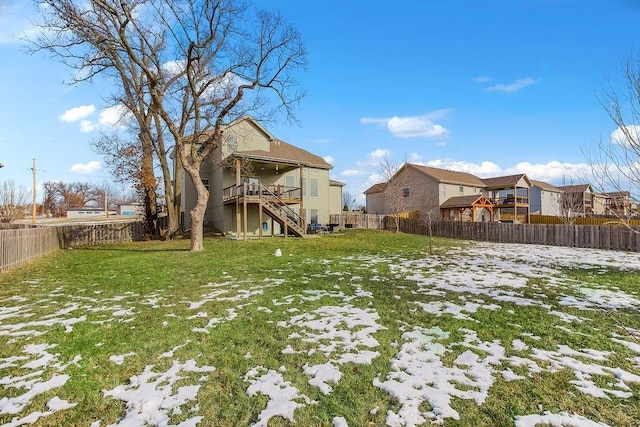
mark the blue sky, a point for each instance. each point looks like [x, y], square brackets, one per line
[491, 87]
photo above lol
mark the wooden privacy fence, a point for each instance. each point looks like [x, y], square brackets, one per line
[608, 237]
[100, 234]
[367, 221]
[19, 246]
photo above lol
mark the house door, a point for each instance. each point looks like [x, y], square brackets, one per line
[253, 186]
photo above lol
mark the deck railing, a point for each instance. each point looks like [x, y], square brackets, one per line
[261, 190]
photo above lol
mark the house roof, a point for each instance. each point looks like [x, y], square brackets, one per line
[578, 188]
[505, 181]
[448, 176]
[464, 201]
[375, 188]
[280, 151]
[619, 194]
[546, 186]
[336, 183]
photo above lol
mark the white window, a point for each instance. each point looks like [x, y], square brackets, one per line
[313, 190]
[290, 181]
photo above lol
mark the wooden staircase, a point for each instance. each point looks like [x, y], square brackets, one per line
[289, 220]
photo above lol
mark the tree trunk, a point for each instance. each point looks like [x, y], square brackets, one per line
[199, 209]
[148, 186]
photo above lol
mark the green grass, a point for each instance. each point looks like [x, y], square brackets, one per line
[136, 298]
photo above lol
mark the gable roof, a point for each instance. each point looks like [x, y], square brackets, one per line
[505, 181]
[546, 186]
[448, 176]
[376, 188]
[465, 201]
[279, 151]
[578, 188]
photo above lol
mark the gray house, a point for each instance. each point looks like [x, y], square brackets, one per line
[545, 198]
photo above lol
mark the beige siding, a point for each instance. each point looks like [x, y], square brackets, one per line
[335, 199]
[375, 203]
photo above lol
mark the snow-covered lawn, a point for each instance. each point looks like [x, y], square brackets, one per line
[422, 338]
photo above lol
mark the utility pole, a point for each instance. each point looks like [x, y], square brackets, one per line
[33, 205]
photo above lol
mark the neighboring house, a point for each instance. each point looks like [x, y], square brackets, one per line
[88, 212]
[510, 196]
[600, 204]
[576, 200]
[375, 198]
[261, 185]
[452, 195]
[620, 204]
[424, 189]
[544, 198]
[335, 197]
[131, 209]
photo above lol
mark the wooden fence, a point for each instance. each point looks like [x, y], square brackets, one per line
[619, 238]
[19, 246]
[100, 234]
[368, 221]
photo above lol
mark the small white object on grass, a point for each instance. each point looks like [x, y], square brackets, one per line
[278, 252]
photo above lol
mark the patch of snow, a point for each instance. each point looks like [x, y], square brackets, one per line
[561, 419]
[118, 359]
[150, 397]
[283, 397]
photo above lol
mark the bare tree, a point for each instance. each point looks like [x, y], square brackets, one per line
[348, 201]
[60, 196]
[199, 65]
[395, 190]
[105, 194]
[615, 165]
[13, 201]
[430, 213]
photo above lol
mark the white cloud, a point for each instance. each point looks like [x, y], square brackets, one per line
[86, 168]
[484, 169]
[626, 135]
[378, 154]
[114, 116]
[87, 126]
[512, 87]
[481, 79]
[412, 126]
[351, 172]
[553, 172]
[77, 113]
[329, 159]
[173, 68]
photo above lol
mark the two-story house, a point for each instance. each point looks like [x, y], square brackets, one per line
[544, 198]
[259, 185]
[425, 189]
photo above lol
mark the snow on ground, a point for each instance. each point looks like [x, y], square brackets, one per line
[151, 399]
[283, 397]
[480, 277]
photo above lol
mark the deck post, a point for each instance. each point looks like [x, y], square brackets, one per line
[245, 214]
[260, 215]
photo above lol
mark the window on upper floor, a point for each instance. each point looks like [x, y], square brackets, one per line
[313, 187]
[405, 192]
